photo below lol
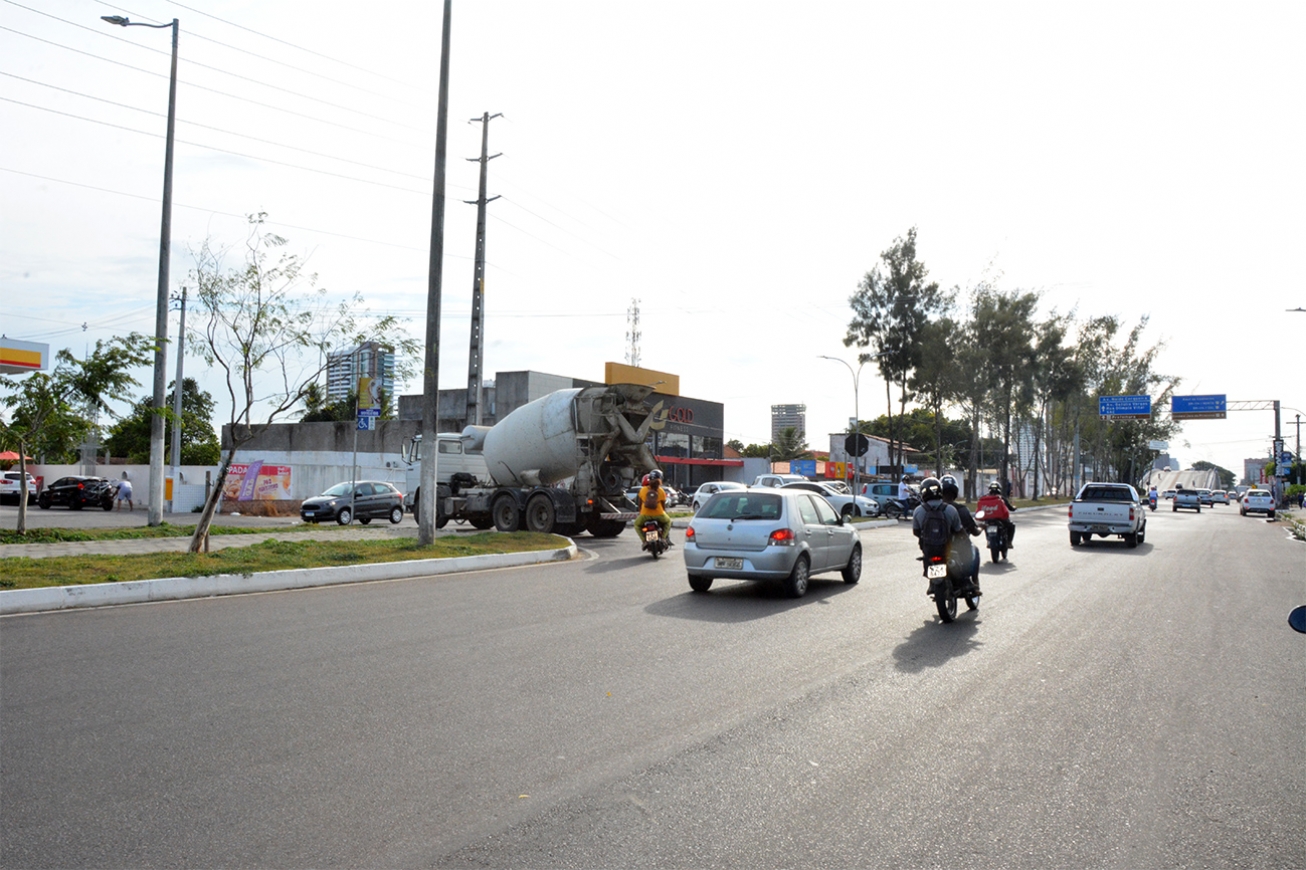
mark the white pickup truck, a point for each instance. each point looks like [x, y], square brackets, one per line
[1188, 499]
[1105, 509]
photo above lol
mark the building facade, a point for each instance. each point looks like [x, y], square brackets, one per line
[788, 417]
[369, 360]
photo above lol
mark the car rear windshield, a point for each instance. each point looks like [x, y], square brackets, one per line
[731, 505]
[1105, 493]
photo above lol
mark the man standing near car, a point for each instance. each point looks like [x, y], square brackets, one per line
[125, 492]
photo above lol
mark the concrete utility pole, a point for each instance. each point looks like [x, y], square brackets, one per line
[176, 399]
[477, 351]
[431, 371]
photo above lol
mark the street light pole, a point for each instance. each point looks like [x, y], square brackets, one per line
[857, 414]
[155, 491]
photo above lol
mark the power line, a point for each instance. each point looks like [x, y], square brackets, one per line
[220, 93]
[207, 127]
[219, 150]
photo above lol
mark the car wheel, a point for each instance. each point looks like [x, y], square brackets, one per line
[848, 512]
[796, 583]
[43, 502]
[396, 515]
[540, 514]
[504, 511]
[1271, 514]
[852, 572]
[364, 520]
[700, 584]
[1174, 508]
[344, 516]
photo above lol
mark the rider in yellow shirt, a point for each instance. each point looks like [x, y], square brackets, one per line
[653, 503]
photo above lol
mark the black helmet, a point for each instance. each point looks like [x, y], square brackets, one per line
[948, 484]
[931, 490]
[654, 475]
[995, 487]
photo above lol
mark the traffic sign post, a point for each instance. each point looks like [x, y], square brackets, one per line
[1198, 407]
[1125, 407]
[367, 418]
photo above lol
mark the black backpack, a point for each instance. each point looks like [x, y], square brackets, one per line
[934, 527]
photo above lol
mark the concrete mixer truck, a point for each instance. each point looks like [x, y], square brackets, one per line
[561, 464]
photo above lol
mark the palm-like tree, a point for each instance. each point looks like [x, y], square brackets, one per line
[790, 445]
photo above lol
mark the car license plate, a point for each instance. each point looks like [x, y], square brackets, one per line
[1101, 530]
[729, 564]
[936, 571]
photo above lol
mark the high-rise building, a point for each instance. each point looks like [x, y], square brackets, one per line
[788, 417]
[369, 360]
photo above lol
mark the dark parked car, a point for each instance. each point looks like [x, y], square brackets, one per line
[78, 492]
[373, 499]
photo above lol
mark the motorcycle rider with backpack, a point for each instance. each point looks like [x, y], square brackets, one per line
[934, 521]
[996, 506]
[653, 503]
[963, 555]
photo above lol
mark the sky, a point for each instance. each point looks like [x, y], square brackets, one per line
[736, 167]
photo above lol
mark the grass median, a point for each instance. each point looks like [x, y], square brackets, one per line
[272, 555]
[55, 535]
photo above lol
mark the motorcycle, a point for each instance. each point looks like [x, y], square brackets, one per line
[651, 534]
[945, 588]
[1151, 500]
[995, 533]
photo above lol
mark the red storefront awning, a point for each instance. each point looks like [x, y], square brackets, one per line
[680, 460]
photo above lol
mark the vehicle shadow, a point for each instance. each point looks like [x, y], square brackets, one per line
[735, 601]
[936, 643]
[1116, 545]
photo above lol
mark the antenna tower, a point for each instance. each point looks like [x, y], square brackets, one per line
[632, 333]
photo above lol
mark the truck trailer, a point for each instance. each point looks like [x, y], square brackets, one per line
[560, 464]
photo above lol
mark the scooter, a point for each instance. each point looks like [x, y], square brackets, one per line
[651, 534]
[945, 588]
[1151, 500]
[995, 532]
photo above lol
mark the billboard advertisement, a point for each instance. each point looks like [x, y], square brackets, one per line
[256, 482]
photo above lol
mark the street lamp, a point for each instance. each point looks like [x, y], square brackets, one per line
[155, 492]
[857, 414]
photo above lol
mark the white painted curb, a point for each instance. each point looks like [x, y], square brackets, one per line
[177, 588]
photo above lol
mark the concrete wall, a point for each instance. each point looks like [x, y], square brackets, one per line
[187, 492]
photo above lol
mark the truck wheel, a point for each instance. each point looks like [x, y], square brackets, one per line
[1131, 540]
[540, 514]
[481, 523]
[606, 528]
[504, 511]
[1074, 539]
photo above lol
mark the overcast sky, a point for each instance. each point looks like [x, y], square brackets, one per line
[735, 166]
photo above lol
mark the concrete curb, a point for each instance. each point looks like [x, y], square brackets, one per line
[17, 601]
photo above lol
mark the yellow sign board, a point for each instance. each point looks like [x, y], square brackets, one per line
[662, 382]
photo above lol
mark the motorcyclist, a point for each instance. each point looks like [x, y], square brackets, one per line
[964, 557]
[1151, 496]
[932, 500]
[996, 507]
[653, 503]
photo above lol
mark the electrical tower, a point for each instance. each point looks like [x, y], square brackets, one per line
[632, 333]
[477, 350]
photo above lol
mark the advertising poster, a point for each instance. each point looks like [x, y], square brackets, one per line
[257, 482]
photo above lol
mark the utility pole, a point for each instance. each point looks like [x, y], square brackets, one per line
[477, 351]
[176, 398]
[435, 282]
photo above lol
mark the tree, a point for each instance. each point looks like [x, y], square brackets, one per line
[1226, 476]
[1004, 336]
[890, 311]
[130, 436]
[757, 451]
[318, 410]
[736, 445]
[935, 381]
[48, 412]
[790, 445]
[268, 329]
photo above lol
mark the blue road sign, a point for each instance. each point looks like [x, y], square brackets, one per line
[1124, 406]
[1198, 407]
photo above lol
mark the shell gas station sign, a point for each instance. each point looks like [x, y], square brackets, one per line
[17, 357]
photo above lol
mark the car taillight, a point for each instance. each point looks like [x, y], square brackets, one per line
[782, 538]
[689, 533]
[81, 486]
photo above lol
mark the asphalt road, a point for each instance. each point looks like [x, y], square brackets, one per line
[1106, 707]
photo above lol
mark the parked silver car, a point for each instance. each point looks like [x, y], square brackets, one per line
[844, 502]
[769, 534]
[707, 490]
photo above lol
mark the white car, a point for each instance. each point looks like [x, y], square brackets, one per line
[10, 487]
[844, 503]
[1257, 501]
[707, 490]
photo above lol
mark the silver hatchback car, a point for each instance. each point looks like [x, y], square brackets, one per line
[769, 534]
